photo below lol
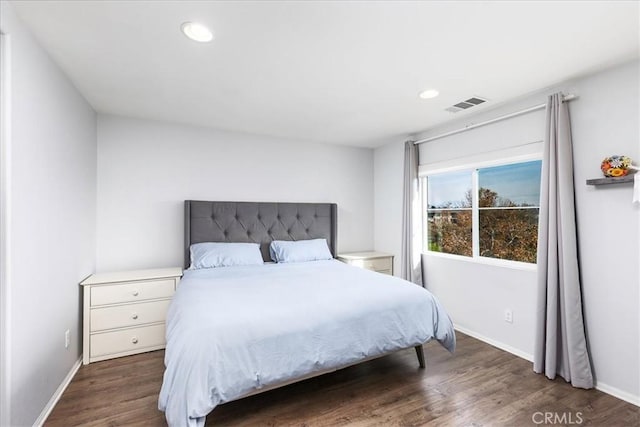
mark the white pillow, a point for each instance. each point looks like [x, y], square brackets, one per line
[300, 250]
[213, 254]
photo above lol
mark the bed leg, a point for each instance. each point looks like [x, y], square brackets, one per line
[420, 354]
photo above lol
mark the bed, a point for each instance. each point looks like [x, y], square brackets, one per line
[240, 330]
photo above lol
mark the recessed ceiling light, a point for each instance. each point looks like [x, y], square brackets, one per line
[197, 32]
[429, 93]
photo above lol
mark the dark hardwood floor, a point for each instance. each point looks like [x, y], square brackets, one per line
[478, 386]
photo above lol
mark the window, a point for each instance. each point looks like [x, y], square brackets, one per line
[489, 212]
[449, 215]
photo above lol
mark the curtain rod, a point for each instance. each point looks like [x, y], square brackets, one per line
[566, 98]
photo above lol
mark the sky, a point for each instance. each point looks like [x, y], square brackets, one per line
[518, 182]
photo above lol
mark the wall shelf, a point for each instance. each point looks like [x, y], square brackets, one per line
[608, 181]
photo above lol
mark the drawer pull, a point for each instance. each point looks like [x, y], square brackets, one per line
[134, 340]
[135, 293]
[134, 316]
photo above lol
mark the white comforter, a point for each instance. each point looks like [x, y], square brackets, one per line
[234, 330]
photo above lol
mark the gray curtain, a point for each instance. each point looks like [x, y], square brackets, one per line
[560, 346]
[411, 218]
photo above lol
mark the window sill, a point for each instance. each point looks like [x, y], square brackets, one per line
[514, 265]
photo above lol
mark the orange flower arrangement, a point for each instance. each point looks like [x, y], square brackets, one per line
[615, 166]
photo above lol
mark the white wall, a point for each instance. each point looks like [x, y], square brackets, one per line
[604, 122]
[147, 169]
[387, 211]
[53, 187]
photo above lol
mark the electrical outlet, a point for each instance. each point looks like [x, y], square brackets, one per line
[508, 315]
[67, 338]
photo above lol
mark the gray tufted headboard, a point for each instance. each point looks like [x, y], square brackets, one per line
[258, 223]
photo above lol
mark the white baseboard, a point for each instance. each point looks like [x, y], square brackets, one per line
[498, 344]
[616, 392]
[46, 411]
[605, 388]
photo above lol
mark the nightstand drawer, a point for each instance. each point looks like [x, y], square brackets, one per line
[127, 340]
[377, 264]
[371, 260]
[128, 315]
[132, 291]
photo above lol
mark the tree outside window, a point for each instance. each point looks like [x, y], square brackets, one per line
[449, 215]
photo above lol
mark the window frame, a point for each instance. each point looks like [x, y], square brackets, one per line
[475, 212]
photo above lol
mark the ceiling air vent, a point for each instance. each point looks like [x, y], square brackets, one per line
[466, 104]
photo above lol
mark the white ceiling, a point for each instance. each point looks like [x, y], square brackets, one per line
[335, 72]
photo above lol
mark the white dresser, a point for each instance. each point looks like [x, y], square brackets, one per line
[376, 261]
[125, 312]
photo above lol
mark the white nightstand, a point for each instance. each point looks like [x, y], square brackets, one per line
[124, 312]
[376, 261]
